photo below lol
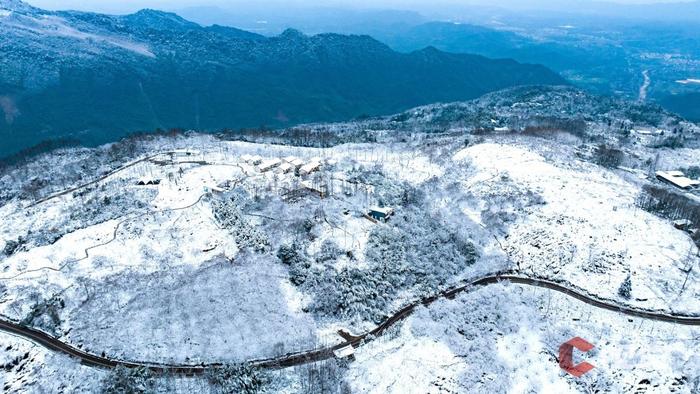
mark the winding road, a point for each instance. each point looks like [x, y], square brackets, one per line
[309, 356]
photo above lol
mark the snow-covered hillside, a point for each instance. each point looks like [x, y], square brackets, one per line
[462, 346]
[585, 227]
[203, 250]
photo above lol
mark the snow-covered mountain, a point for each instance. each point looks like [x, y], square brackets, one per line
[97, 77]
[203, 250]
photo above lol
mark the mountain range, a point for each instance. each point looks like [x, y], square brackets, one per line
[95, 77]
[595, 48]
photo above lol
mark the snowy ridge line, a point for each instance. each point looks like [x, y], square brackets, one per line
[87, 250]
[304, 357]
[103, 177]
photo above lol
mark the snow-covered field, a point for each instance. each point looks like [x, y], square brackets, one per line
[506, 338]
[226, 311]
[161, 280]
[670, 159]
[148, 272]
[29, 368]
[586, 230]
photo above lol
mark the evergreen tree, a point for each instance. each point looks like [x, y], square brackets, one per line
[625, 290]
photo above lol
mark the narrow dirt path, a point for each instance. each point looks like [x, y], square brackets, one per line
[99, 179]
[87, 250]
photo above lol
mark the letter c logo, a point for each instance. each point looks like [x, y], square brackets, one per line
[566, 352]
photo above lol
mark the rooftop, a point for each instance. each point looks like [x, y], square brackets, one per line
[384, 210]
[678, 179]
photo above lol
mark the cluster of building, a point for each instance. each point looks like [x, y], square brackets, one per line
[287, 165]
[283, 166]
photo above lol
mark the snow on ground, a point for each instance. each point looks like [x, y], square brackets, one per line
[192, 184]
[675, 159]
[52, 25]
[139, 283]
[587, 231]
[122, 284]
[146, 242]
[225, 312]
[29, 368]
[505, 338]
[162, 282]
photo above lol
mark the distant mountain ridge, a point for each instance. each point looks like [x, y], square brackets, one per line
[97, 77]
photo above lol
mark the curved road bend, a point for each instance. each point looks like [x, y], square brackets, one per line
[300, 358]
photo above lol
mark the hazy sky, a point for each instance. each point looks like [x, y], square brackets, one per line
[125, 6]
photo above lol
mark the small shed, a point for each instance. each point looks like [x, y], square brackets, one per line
[344, 352]
[380, 213]
[214, 190]
[644, 131]
[185, 153]
[682, 224]
[148, 181]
